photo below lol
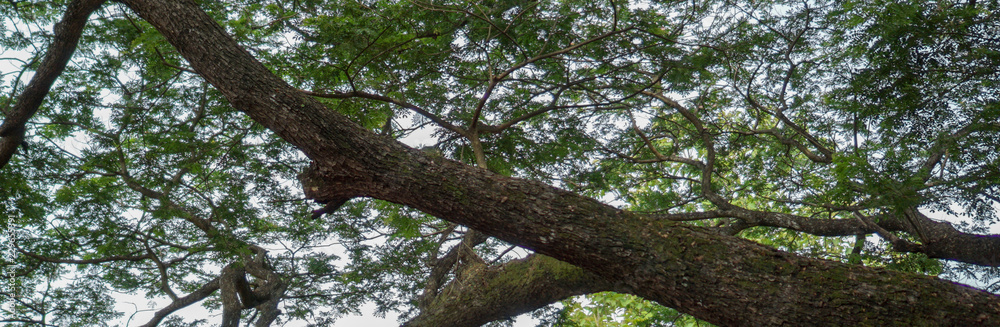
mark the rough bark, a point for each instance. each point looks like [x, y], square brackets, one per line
[721, 279]
[480, 293]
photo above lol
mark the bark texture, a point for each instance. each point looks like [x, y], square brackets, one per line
[721, 279]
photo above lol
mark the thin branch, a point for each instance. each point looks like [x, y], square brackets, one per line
[162, 269]
[645, 139]
[495, 80]
[80, 261]
[696, 163]
[365, 95]
[827, 154]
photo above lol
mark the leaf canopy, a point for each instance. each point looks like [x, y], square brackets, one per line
[138, 177]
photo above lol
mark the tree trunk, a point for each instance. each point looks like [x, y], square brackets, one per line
[721, 279]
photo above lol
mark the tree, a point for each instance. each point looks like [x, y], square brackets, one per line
[721, 131]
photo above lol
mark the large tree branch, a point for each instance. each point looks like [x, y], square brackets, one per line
[939, 239]
[67, 33]
[512, 289]
[484, 294]
[684, 267]
[441, 266]
[185, 301]
[237, 294]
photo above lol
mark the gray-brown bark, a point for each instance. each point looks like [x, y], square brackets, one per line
[718, 278]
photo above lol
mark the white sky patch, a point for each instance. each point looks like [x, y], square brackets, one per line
[421, 137]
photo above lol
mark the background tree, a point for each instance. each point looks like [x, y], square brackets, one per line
[805, 126]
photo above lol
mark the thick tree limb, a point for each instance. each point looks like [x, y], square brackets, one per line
[67, 33]
[513, 291]
[485, 294]
[237, 294]
[185, 301]
[940, 239]
[444, 264]
[687, 268]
